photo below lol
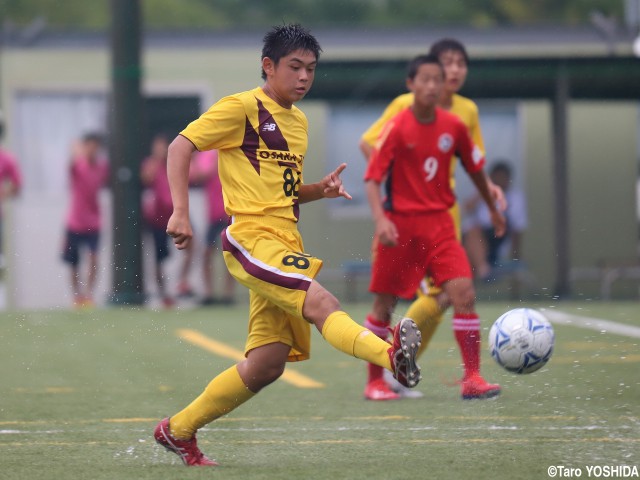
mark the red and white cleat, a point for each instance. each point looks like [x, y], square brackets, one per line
[187, 450]
[378, 390]
[476, 387]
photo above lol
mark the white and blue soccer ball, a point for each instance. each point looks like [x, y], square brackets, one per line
[521, 340]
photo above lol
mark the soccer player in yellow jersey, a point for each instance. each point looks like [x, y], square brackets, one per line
[428, 309]
[261, 137]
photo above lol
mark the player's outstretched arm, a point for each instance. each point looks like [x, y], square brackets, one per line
[497, 218]
[497, 194]
[330, 186]
[178, 160]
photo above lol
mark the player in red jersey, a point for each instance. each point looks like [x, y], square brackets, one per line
[416, 232]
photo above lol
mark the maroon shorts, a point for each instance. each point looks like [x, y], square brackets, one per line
[427, 245]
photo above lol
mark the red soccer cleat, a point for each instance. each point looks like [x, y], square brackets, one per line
[476, 387]
[403, 353]
[378, 390]
[187, 450]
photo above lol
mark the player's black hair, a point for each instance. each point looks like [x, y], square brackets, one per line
[164, 135]
[448, 45]
[414, 64]
[281, 40]
[93, 137]
[501, 166]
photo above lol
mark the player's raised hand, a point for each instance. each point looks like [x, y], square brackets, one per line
[179, 228]
[332, 186]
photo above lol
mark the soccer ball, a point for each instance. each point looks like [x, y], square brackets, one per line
[521, 340]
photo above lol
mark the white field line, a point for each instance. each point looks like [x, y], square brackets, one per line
[22, 432]
[597, 324]
[433, 429]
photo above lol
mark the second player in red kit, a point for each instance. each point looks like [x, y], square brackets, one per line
[416, 232]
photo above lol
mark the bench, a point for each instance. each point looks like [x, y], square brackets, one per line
[606, 274]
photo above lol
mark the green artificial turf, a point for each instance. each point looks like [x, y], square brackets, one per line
[81, 392]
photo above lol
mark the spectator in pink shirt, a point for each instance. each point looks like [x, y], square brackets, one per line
[10, 178]
[88, 173]
[206, 171]
[157, 207]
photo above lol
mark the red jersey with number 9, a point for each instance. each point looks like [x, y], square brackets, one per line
[413, 160]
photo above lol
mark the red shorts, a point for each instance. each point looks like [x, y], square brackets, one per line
[427, 245]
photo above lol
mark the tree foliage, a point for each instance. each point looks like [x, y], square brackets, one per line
[229, 14]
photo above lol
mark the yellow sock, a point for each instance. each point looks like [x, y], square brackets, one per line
[343, 333]
[223, 394]
[427, 314]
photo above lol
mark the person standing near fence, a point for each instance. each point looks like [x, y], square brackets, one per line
[157, 208]
[10, 183]
[205, 172]
[88, 174]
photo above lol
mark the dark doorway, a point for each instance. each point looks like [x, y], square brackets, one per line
[168, 114]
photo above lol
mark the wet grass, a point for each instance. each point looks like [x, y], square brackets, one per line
[82, 391]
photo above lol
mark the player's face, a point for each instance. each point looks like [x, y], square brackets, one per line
[455, 69]
[501, 178]
[91, 148]
[290, 80]
[427, 85]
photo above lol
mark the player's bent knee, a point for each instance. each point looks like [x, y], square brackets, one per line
[466, 299]
[319, 303]
[256, 376]
[444, 301]
[462, 295]
[383, 306]
[271, 373]
[263, 365]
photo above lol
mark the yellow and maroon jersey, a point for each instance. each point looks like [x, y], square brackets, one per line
[261, 148]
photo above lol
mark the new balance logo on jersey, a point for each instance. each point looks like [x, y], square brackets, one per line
[269, 127]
